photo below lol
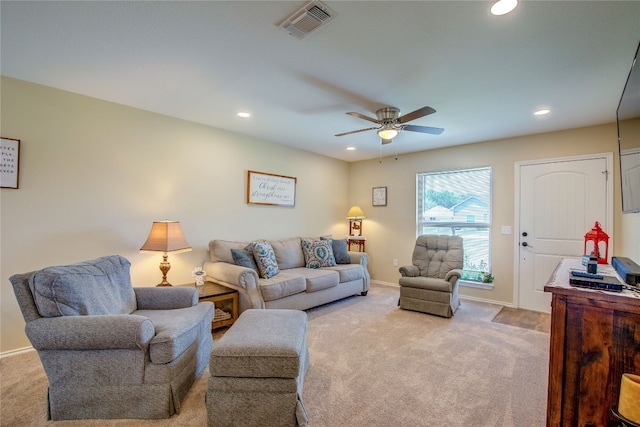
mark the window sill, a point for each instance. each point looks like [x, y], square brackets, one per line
[477, 285]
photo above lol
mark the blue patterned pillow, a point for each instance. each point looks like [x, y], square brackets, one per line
[318, 253]
[265, 259]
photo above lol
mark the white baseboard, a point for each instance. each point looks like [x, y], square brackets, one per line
[388, 284]
[488, 301]
[15, 352]
[470, 298]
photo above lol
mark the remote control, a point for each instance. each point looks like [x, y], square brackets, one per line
[589, 275]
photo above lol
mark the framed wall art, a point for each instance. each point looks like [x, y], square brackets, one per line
[270, 189]
[379, 196]
[9, 162]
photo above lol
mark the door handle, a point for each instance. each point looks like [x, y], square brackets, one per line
[525, 244]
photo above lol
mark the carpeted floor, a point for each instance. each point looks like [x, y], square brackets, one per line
[372, 364]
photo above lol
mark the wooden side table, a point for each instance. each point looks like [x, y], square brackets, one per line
[223, 298]
[357, 241]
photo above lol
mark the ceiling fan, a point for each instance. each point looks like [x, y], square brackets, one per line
[391, 122]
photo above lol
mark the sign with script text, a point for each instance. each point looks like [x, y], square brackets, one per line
[270, 189]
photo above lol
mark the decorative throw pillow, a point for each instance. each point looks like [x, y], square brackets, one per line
[265, 259]
[318, 253]
[244, 257]
[340, 251]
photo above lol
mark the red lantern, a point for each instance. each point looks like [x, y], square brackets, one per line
[596, 240]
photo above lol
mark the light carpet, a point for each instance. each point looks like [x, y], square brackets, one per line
[372, 364]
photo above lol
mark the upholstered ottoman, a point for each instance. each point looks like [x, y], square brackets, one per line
[257, 371]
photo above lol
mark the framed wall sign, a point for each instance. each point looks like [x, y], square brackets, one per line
[9, 162]
[270, 189]
[379, 196]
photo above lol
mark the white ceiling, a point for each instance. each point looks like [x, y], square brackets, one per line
[204, 61]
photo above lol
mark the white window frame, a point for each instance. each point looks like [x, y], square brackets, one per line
[484, 224]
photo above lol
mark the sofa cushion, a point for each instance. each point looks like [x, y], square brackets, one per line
[348, 272]
[318, 278]
[220, 250]
[288, 282]
[176, 330]
[288, 252]
[318, 253]
[265, 259]
[340, 250]
[244, 258]
[99, 286]
[430, 283]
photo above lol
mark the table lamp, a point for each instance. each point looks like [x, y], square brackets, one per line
[165, 236]
[629, 404]
[355, 216]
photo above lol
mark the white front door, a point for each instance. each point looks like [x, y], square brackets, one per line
[559, 201]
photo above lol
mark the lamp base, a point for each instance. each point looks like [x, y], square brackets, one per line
[164, 267]
[625, 422]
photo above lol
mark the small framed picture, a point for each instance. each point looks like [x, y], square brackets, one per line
[379, 196]
[10, 162]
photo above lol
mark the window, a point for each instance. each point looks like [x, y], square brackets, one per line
[459, 203]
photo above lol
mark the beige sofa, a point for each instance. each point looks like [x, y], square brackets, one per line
[295, 286]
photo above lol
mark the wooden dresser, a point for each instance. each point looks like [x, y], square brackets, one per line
[595, 338]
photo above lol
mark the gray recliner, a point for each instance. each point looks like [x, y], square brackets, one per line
[430, 285]
[111, 350]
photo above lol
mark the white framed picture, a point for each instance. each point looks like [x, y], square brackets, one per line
[9, 162]
[379, 196]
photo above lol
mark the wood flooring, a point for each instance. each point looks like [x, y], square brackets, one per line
[527, 319]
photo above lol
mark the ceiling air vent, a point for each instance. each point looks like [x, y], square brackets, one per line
[311, 17]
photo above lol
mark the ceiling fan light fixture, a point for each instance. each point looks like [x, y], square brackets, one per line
[387, 133]
[502, 7]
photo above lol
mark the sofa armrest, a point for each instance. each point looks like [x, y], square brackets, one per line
[409, 271]
[453, 276]
[113, 331]
[165, 297]
[242, 279]
[231, 274]
[363, 259]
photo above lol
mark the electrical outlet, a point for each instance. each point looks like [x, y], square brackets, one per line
[395, 262]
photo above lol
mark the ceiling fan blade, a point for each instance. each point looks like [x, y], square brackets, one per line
[355, 131]
[386, 141]
[361, 116]
[421, 112]
[423, 129]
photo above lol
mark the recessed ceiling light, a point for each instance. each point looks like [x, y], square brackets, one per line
[542, 112]
[502, 7]
[351, 148]
[244, 114]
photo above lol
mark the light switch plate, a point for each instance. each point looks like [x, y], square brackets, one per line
[506, 229]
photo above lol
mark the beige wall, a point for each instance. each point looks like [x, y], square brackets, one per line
[94, 175]
[391, 230]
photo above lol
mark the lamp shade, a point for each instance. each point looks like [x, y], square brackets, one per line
[165, 236]
[629, 404]
[355, 213]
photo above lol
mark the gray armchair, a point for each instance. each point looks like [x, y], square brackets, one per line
[430, 285]
[110, 350]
